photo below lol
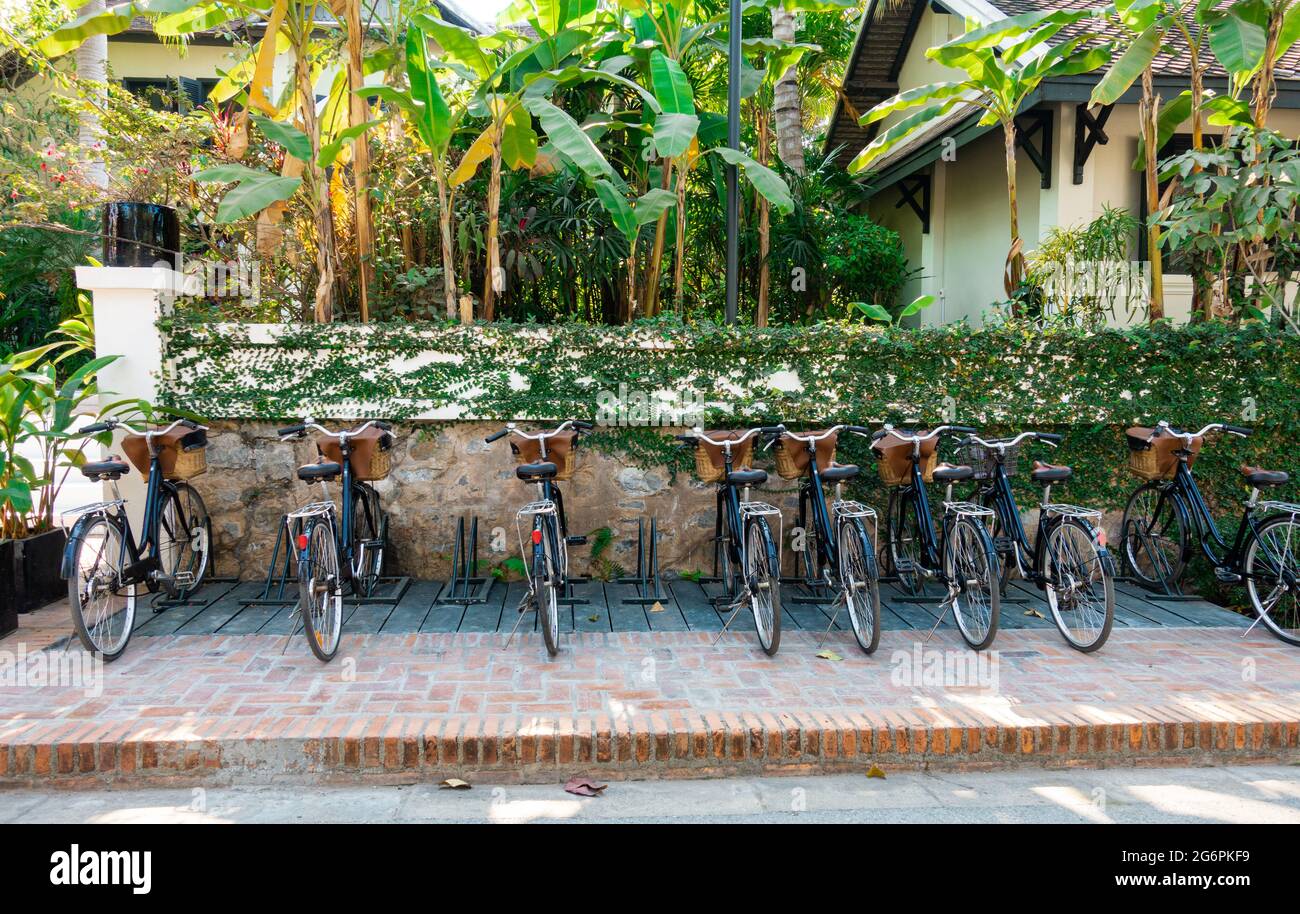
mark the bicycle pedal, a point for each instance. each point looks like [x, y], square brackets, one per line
[576, 540]
[1003, 545]
[184, 579]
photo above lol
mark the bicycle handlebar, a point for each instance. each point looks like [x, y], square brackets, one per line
[580, 424]
[111, 423]
[917, 439]
[291, 431]
[1000, 443]
[1239, 430]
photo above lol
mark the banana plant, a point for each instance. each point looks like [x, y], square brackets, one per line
[1003, 64]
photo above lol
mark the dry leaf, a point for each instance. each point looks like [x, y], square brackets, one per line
[657, 608]
[829, 655]
[454, 784]
[594, 617]
[876, 772]
[583, 788]
[1035, 613]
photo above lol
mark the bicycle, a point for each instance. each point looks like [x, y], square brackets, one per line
[841, 555]
[1069, 560]
[338, 547]
[961, 555]
[547, 562]
[103, 562]
[1264, 554]
[744, 549]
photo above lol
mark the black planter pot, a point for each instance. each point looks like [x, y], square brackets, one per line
[140, 234]
[8, 604]
[31, 567]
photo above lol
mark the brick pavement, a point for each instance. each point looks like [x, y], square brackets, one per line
[426, 706]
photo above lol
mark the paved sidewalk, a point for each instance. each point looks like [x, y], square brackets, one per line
[419, 707]
[1242, 794]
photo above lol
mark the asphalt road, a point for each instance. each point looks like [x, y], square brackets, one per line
[1121, 795]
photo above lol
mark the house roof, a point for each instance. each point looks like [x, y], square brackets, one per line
[885, 37]
[374, 10]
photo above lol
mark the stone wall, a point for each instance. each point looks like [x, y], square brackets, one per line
[440, 473]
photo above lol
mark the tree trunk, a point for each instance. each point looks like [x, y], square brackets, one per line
[92, 65]
[764, 227]
[448, 251]
[1015, 259]
[494, 281]
[1148, 113]
[360, 113]
[655, 267]
[318, 191]
[788, 106]
[679, 264]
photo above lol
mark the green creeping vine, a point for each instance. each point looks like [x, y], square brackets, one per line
[1087, 385]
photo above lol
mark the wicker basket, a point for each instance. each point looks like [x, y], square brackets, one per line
[1157, 458]
[379, 466]
[187, 464]
[708, 472]
[891, 475]
[561, 450]
[785, 464]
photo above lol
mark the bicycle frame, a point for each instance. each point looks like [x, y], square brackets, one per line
[924, 519]
[812, 494]
[1186, 498]
[728, 506]
[999, 490]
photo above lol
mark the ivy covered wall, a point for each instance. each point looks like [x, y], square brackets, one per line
[1087, 385]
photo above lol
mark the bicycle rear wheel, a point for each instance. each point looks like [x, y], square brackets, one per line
[1272, 568]
[546, 582]
[320, 590]
[763, 580]
[970, 565]
[859, 582]
[1154, 537]
[103, 609]
[1080, 586]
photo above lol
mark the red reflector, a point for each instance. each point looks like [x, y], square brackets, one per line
[1101, 538]
[302, 541]
[537, 537]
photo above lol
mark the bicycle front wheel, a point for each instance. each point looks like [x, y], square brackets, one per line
[1153, 536]
[904, 539]
[1272, 568]
[184, 537]
[103, 608]
[763, 581]
[859, 582]
[971, 566]
[1080, 585]
[320, 591]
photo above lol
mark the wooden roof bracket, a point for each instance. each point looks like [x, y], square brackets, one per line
[1089, 132]
[1037, 124]
[914, 192]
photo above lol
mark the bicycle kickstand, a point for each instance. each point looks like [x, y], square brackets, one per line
[519, 615]
[735, 608]
[944, 606]
[297, 623]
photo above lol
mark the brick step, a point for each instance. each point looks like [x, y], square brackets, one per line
[411, 749]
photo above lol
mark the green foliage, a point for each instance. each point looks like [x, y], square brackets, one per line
[1100, 382]
[1067, 277]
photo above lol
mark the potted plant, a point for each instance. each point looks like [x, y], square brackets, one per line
[38, 408]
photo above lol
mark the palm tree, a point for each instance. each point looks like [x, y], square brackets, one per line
[787, 108]
[92, 66]
[1004, 65]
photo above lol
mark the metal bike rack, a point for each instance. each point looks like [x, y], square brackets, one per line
[387, 590]
[466, 586]
[648, 584]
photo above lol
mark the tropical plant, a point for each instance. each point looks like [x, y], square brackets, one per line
[1004, 63]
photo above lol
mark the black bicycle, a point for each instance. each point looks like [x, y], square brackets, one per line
[546, 457]
[745, 551]
[839, 554]
[338, 547]
[1164, 511]
[1068, 561]
[103, 562]
[960, 554]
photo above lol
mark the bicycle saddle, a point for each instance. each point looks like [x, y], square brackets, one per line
[747, 477]
[1262, 478]
[947, 472]
[318, 472]
[531, 472]
[112, 468]
[1050, 472]
[839, 472]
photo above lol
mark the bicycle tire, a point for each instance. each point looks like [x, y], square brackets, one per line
[860, 583]
[546, 585]
[197, 527]
[85, 539]
[1089, 561]
[763, 580]
[969, 544]
[318, 577]
[1285, 626]
[1135, 543]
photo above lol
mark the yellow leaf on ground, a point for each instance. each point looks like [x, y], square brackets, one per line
[454, 784]
[1035, 613]
[876, 772]
[829, 655]
[657, 608]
